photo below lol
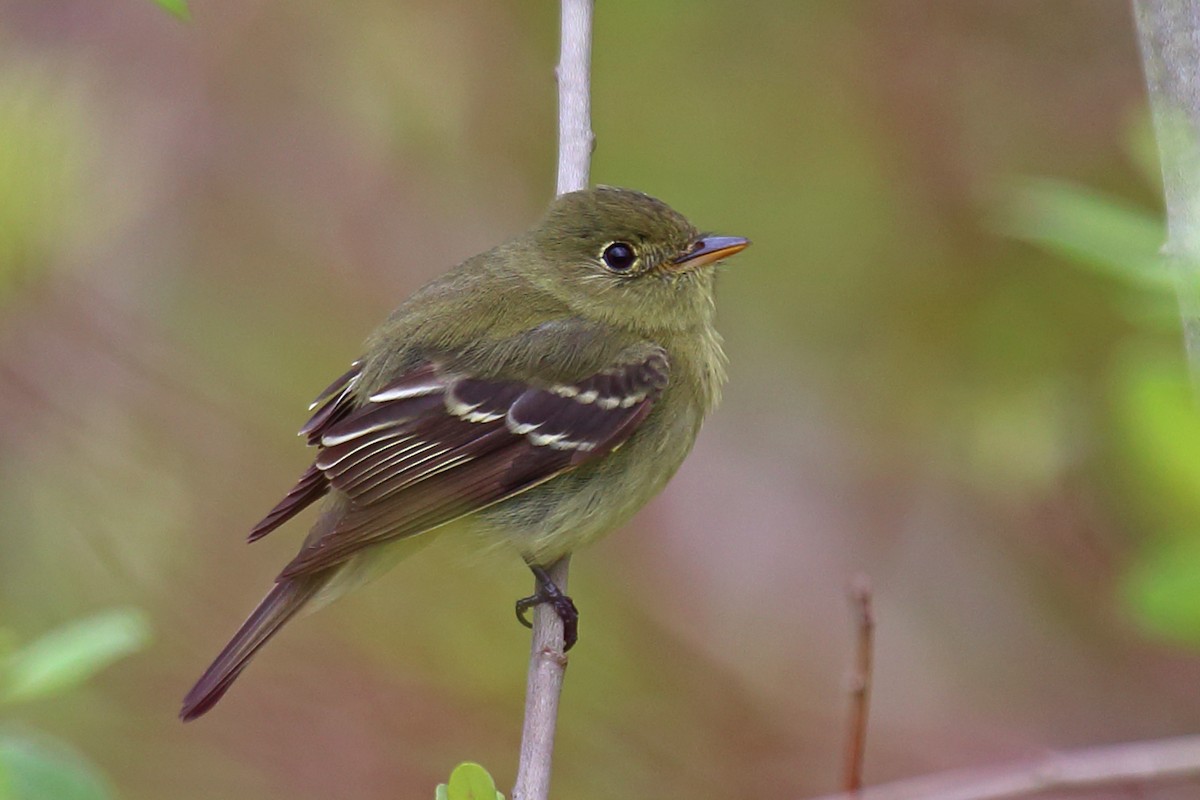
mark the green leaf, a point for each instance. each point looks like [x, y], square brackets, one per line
[47, 770]
[1100, 232]
[1159, 427]
[468, 781]
[70, 655]
[177, 7]
[1162, 590]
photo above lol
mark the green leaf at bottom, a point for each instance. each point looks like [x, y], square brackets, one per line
[469, 781]
[46, 770]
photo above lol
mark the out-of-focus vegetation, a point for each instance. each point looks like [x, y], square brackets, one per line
[177, 7]
[955, 365]
[1156, 409]
[34, 766]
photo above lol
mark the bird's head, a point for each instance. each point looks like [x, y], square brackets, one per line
[628, 259]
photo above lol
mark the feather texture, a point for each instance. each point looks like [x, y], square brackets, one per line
[280, 605]
[484, 440]
[331, 406]
[536, 387]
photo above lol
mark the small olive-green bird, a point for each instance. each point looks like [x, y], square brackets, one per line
[539, 393]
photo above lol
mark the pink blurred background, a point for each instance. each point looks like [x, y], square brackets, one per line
[199, 223]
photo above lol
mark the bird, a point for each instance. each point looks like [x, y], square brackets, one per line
[538, 394]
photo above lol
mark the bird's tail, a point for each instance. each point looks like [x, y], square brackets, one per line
[280, 605]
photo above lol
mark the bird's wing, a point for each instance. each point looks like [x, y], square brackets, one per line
[433, 445]
[330, 407]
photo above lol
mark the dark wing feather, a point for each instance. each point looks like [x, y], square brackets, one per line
[431, 447]
[335, 402]
[311, 487]
[332, 405]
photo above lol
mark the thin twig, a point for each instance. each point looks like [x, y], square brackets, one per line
[1124, 765]
[860, 685]
[547, 668]
[575, 137]
[547, 662]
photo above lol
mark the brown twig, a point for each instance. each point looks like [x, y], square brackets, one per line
[1137, 764]
[860, 685]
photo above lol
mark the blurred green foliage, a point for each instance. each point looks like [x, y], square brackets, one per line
[40, 767]
[33, 768]
[65, 658]
[1156, 408]
[1112, 237]
[40, 176]
[177, 7]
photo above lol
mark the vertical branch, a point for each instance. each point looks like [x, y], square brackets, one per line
[547, 662]
[1169, 35]
[575, 137]
[547, 668]
[860, 686]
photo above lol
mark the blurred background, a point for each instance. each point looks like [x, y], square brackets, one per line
[954, 368]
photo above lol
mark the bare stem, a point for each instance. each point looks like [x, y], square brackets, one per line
[1139, 764]
[1169, 34]
[575, 137]
[860, 686]
[547, 668]
[547, 661]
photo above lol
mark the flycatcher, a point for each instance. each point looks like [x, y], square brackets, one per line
[539, 393]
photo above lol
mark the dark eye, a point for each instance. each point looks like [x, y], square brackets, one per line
[619, 256]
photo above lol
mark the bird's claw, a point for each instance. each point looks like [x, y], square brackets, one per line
[563, 605]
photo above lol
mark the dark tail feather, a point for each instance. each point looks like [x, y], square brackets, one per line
[280, 605]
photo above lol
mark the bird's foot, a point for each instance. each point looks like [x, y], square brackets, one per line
[564, 606]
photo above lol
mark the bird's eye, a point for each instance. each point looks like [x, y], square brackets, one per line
[619, 256]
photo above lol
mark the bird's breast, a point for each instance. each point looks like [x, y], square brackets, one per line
[579, 506]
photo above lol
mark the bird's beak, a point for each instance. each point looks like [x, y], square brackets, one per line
[709, 250]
